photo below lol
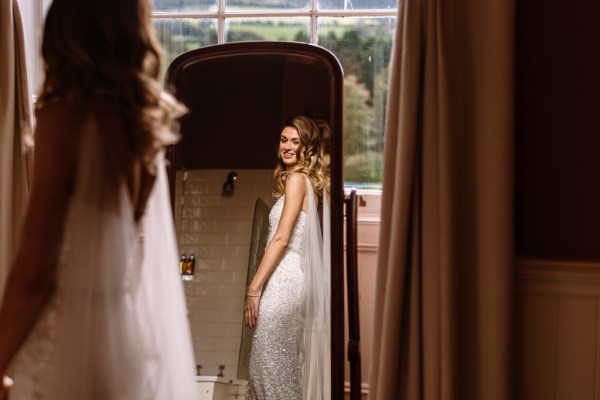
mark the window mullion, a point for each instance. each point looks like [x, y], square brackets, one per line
[221, 22]
[313, 22]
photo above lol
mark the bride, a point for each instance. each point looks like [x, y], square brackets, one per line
[94, 307]
[287, 302]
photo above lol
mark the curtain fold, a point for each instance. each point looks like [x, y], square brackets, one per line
[444, 294]
[15, 127]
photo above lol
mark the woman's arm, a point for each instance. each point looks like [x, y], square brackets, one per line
[33, 274]
[295, 195]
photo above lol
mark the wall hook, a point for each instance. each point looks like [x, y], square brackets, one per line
[228, 185]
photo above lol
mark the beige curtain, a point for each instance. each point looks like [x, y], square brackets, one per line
[443, 318]
[15, 125]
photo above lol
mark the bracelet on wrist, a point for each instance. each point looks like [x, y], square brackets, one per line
[252, 295]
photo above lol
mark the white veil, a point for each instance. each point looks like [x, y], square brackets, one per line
[122, 329]
[315, 315]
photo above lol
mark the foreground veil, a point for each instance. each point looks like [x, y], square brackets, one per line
[121, 327]
[315, 313]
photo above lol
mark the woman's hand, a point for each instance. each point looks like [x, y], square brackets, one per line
[251, 309]
[6, 384]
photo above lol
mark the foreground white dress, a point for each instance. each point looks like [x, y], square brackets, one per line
[290, 355]
[116, 327]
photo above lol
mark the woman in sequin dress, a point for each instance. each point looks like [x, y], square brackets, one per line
[278, 298]
[94, 307]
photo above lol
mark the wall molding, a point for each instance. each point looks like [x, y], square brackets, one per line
[368, 220]
[368, 247]
[365, 247]
[562, 277]
[558, 328]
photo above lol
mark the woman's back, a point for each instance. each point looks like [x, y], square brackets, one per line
[116, 327]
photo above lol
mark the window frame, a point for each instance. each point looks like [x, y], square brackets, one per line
[221, 14]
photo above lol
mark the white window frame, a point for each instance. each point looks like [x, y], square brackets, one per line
[222, 14]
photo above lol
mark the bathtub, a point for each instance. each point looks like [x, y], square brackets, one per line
[218, 388]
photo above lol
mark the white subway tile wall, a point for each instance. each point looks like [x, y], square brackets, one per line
[217, 229]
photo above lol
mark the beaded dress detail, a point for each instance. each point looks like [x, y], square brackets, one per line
[275, 368]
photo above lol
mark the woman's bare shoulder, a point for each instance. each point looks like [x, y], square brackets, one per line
[57, 123]
[295, 185]
[296, 178]
[59, 108]
[64, 119]
[63, 114]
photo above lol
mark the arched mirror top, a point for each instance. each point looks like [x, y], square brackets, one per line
[262, 84]
[285, 51]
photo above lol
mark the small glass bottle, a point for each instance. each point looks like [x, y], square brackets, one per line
[182, 264]
[190, 264]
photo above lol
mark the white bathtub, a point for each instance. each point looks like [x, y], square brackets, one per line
[217, 388]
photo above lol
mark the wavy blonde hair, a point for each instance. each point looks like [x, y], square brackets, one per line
[108, 48]
[312, 158]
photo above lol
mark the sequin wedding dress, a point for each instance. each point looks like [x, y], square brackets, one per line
[116, 327]
[290, 356]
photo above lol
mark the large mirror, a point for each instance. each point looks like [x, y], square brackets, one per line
[238, 96]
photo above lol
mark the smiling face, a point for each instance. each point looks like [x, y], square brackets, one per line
[289, 146]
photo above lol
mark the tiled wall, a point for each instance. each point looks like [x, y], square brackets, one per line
[217, 229]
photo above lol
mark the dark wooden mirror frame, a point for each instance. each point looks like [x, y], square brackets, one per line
[249, 51]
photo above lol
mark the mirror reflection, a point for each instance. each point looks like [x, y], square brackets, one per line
[287, 297]
[217, 230]
[223, 192]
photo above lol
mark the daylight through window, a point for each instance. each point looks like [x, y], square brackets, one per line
[358, 32]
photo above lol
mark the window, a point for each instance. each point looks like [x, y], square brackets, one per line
[358, 32]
